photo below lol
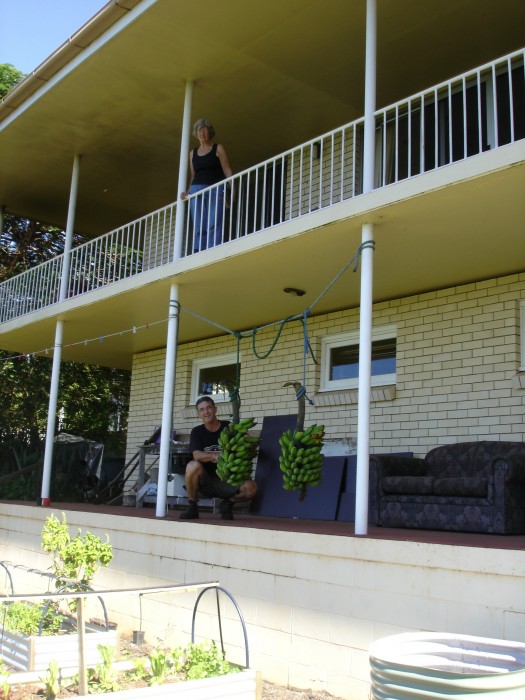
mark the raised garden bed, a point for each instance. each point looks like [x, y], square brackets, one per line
[244, 684]
[35, 652]
[233, 686]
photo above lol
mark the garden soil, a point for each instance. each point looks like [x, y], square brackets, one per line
[270, 692]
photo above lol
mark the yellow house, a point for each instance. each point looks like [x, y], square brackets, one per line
[397, 124]
[375, 210]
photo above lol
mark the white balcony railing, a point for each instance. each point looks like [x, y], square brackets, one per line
[460, 118]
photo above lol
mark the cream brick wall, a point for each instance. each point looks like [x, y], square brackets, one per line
[458, 356]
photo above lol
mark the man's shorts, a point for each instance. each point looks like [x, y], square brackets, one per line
[210, 486]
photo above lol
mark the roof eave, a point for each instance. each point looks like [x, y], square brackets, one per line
[106, 17]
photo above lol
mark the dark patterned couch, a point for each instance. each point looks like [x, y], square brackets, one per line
[469, 487]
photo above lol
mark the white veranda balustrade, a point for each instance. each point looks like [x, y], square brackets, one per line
[480, 110]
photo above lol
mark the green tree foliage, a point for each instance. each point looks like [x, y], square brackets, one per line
[24, 392]
[9, 77]
[25, 243]
[92, 400]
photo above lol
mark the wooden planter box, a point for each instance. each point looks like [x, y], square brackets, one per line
[245, 685]
[35, 653]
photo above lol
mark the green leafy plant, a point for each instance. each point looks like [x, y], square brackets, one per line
[75, 562]
[4, 679]
[25, 618]
[160, 664]
[139, 671]
[201, 661]
[74, 559]
[51, 680]
[103, 678]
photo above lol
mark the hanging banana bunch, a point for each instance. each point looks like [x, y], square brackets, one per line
[301, 459]
[238, 450]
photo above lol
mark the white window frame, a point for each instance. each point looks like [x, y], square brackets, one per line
[204, 362]
[522, 335]
[337, 340]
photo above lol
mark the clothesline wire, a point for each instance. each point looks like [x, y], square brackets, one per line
[296, 317]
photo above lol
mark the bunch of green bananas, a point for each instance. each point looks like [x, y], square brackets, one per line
[301, 460]
[235, 463]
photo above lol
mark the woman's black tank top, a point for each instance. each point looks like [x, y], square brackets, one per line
[207, 168]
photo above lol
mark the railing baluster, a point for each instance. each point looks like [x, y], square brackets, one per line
[342, 171]
[291, 161]
[247, 207]
[422, 143]
[272, 219]
[321, 166]
[511, 100]
[409, 128]
[310, 179]
[263, 200]
[396, 132]
[384, 135]
[282, 193]
[480, 112]
[256, 189]
[450, 144]
[186, 236]
[299, 185]
[495, 106]
[436, 129]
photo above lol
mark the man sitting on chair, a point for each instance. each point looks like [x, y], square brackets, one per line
[201, 473]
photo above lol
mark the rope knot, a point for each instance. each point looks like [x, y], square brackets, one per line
[300, 392]
[233, 393]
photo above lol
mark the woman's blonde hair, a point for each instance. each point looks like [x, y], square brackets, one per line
[203, 122]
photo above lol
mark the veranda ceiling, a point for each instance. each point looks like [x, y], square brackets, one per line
[269, 75]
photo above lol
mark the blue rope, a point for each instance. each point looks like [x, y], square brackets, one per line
[367, 244]
[302, 392]
[363, 246]
[254, 333]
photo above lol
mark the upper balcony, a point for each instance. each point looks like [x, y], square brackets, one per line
[447, 206]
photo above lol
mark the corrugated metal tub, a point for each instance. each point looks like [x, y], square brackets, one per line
[435, 665]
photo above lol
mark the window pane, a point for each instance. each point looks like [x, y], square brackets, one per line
[213, 381]
[344, 361]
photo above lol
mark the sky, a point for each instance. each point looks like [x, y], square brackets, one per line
[31, 30]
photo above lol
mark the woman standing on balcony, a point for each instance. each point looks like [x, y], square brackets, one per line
[209, 165]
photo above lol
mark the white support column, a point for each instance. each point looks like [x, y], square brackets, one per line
[59, 331]
[369, 143]
[167, 401]
[183, 169]
[51, 415]
[70, 226]
[367, 261]
[365, 373]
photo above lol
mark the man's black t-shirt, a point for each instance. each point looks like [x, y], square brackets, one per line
[203, 440]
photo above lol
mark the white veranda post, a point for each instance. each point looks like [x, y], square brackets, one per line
[66, 258]
[367, 260]
[59, 331]
[167, 401]
[183, 169]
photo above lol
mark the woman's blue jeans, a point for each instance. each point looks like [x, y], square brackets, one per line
[207, 213]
